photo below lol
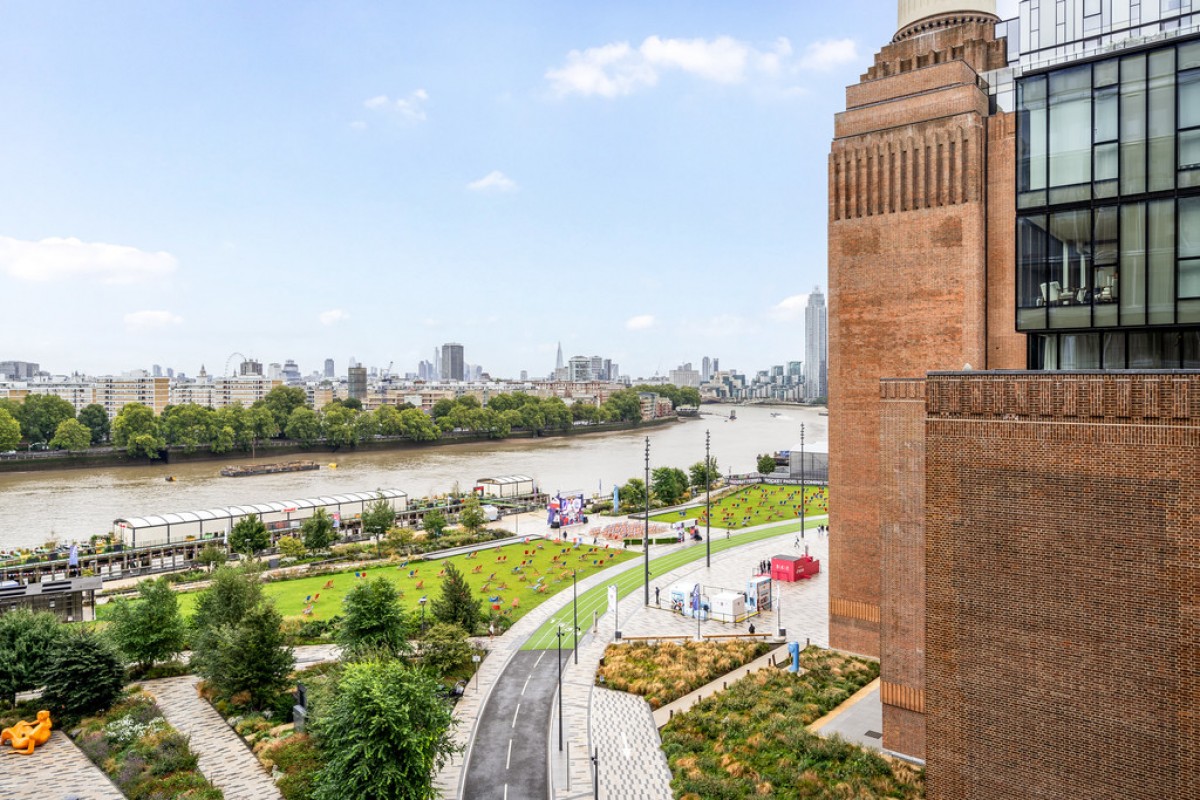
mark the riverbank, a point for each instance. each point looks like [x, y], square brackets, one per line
[113, 457]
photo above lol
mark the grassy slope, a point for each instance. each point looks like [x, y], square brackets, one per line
[755, 505]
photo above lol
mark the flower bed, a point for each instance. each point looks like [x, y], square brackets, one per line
[751, 740]
[145, 757]
[665, 672]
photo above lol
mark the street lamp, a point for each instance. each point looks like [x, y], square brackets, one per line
[802, 488]
[707, 503]
[422, 601]
[646, 536]
[575, 614]
[560, 697]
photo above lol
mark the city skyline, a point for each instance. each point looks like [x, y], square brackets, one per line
[287, 189]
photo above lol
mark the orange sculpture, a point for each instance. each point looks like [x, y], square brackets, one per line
[25, 736]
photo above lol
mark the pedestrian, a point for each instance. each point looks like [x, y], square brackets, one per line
[751, 628]
[655, 595]
[491, 630]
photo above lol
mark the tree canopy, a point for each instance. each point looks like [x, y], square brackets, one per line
[71, 435]
[457, 605]
[41, 415]
[151, 629]
[249, 535]
[96, 419]
[10, 431]
[137, 430]
[373, 621]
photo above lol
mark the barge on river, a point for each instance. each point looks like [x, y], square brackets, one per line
[243, 470]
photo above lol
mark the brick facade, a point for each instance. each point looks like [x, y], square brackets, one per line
[1063, 585]
[909, 242]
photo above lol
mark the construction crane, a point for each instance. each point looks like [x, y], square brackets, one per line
[387, 371]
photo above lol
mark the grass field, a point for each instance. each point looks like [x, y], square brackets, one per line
[499, 569]
[595, 600]
[755, 505]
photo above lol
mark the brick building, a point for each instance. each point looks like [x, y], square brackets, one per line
[1020, 547]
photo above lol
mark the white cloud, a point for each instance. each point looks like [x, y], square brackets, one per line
[138, 321]
[640, 323]
[410, 108]
[358, 125]
[61, 259]
[494, 181]
[790, 307]
[618, 69]
[829, 54]
[333, 316]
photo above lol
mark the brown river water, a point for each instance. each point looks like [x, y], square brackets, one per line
[74, 504]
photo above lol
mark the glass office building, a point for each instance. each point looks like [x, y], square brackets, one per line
[1108, 187]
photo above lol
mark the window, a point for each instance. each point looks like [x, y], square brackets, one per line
[1189, 247]
[1070, 125]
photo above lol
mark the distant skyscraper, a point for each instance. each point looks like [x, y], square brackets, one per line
[716, 366]
[249, 367]
[524, 374]
[558, 360]
[816, 347]
[18, 370]
[705, 368]
[452, 362]
[156, 371]
[291, 372]
[329, 373]
[356, 382]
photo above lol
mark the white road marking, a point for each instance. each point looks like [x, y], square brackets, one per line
[517, 711]
[543, 655]
[506, 791]
[526, 686]
[508, 760]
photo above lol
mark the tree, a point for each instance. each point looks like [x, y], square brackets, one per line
[282, 402]
[151, 629]
[766, 464]
[211, 556]
[418, 426]
[96, 419]
[385, 734]
[231, 595]
[71, 435]
[252, 657]
[317, 531]
[434, 523]
[83, 677]
[696, 473]
[373, 621]
[633, 494]
[10, 431]
[669, 484]
[27, 640]
[291, 547]
[366, 427]
[441, 408]
[444, 647]
[137, 430]
[304, 426]
[457, 605]
[261, 425]
[188, 426]
[337, 422]
[41, 415]
[377, 518]
[388, 421]
[624, 405]
[352, 403]
[472, 517]
[229, 428]
[248, 536]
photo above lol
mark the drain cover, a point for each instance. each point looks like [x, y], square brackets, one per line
[873, 734]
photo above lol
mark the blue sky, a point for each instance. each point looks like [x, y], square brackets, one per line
[643, 181]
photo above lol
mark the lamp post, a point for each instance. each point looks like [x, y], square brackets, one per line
[707, 502]
[560, 698]
[596, 775]
[575, 615]
[802, 487]
[422, 601]
[646, 536]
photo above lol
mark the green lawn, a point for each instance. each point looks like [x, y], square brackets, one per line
[596, 599]
[545, 563]
[755, 505]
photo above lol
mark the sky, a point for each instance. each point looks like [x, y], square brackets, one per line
[182, 181]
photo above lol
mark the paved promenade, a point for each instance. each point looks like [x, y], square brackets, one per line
[224, 759]
[55, 771]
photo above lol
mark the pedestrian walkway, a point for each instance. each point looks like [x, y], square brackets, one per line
[592, 726]
[859, 719]
[224, 758]
[57, 770]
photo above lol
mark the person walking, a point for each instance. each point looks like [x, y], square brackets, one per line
[751, 628]
[655, 595]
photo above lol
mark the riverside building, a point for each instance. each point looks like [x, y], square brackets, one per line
[1014, 337]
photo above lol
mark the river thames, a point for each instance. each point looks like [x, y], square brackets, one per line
[74, 504]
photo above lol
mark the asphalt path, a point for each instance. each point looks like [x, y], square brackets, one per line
[508, 757]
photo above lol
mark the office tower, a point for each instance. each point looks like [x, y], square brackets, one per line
[291, 372]
[250, 367]
[156, 371]
[452, 362]
[329, 370]
[579, 369]
[524, 375]
[18, 370]
[356, 382]
[816, 347]
[1019, 398]
[705, 368]
[558, 359]
[716, 365]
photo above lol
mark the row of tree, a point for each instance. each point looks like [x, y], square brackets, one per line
[668, 485]
[284, 413]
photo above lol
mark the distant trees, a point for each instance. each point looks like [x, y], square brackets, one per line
[282, 401]
[377, 518]
[434, 523]
[669, 484]
[472, 517]
[137, 430]
[766, 464]
[304, 426]
[249, 535]
[10, 431]
[41, 415]
[96, 419]
[699, 477]
[317, 531]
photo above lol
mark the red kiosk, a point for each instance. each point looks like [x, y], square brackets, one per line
[794, 568]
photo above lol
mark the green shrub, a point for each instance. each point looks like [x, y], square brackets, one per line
[84, 676]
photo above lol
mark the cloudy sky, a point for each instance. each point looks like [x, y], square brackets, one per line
[643, 181]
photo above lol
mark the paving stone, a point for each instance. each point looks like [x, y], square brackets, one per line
[56, 770]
